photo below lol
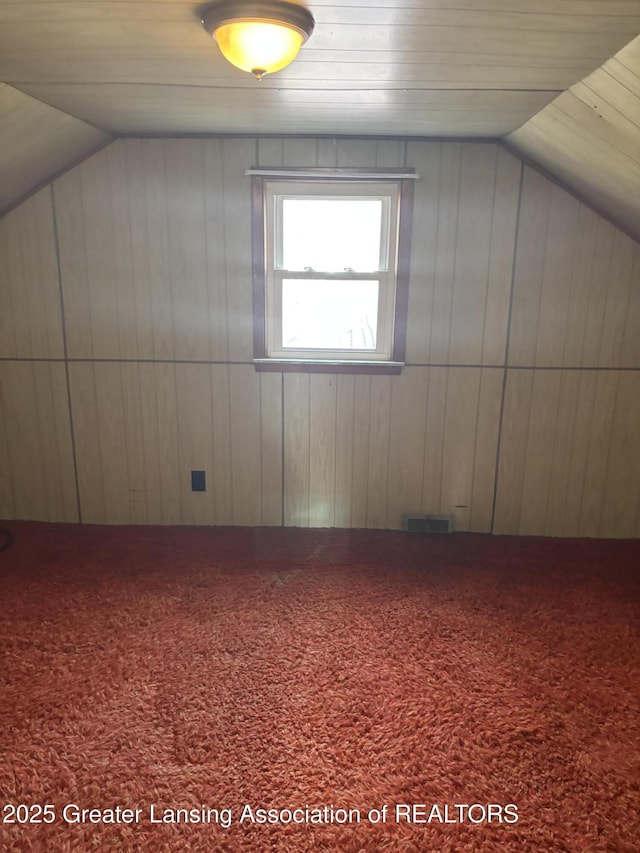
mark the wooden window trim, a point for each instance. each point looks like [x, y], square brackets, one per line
[262, 361]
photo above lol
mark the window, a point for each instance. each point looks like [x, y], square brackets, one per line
[330, 270]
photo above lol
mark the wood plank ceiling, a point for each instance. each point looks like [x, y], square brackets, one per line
[589, 138]
[79, 72]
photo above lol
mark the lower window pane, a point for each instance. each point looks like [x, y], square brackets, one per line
[329, 314]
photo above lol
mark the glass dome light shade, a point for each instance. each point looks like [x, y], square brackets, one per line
[259, 36]
[260, 47]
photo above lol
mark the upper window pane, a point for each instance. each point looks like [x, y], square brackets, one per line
[331, 234]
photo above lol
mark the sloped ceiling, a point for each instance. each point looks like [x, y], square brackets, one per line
[82, 71]
[589, 138]
[36, 141]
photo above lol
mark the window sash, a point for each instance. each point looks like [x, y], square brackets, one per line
[388, 201]
[275, 193]
[384, 320]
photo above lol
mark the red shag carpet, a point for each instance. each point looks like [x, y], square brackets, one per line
[258, 690]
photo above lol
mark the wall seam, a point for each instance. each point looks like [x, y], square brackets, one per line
[282, 449]
[506, 354]
[74, 456]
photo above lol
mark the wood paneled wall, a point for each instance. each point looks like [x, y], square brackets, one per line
[360, 450]
[576, 296]
[37, 477]
[30, 308]
[142, 427]
[570, 456]
[569, 462]
[126, 345]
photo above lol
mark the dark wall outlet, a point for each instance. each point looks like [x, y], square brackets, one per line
[198, 482]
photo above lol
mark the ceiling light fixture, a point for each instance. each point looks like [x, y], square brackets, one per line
[259, 37]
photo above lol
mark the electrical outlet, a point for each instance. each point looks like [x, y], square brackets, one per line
[198, 482]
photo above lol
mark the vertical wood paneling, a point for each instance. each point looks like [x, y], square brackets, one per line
[406, 443]
[623, 280]
[362, 451]
[271, 427]
[195, 440]
[545, 397]
[36, 468]
[154, 240]
[555, 285]
[434, 441]
[569, 462]
[7, 500]
[141, 429]
[463, 387]
[141, 277]
[599, 455]
[445, 254]
[597, 294]
[471, 430]
[575, 285]
[485, 450]
[148, 231]
[126, 439]
[187, 256]
[30, 312]
[139, 439]
[426, 159]
[470, 399]
[297, 449]
[148, 498]
[87, 445]
[378, 461]
[166, 458]
[238, 155]
[471, 274]
[270, 152]
[220, 473]
[94, 226]
[122, 284]
[322, 449]
[299, 152]
[346, 484]
[516, 424]
[508, 178]
[463, 236]
[155, 265]
[529, 267]
[630, 348]
[361, 442]
[110, 402]
[327, 152]
[621, 499]
[580, 278]
[390, 153]
[560, 451]
[356, 152]
[246, 446]
[220, 184]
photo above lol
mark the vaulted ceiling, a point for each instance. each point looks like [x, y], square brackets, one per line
[557, 80]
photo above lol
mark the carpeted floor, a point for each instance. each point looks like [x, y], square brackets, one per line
[366, 686]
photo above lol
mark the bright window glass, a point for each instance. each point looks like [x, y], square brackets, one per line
[333, 315]
[331, 234]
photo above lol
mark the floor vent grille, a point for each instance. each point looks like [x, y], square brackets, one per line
[427, 523]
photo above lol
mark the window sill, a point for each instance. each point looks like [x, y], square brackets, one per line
[318, 365]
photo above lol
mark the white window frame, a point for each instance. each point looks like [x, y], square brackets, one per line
[269, 192]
